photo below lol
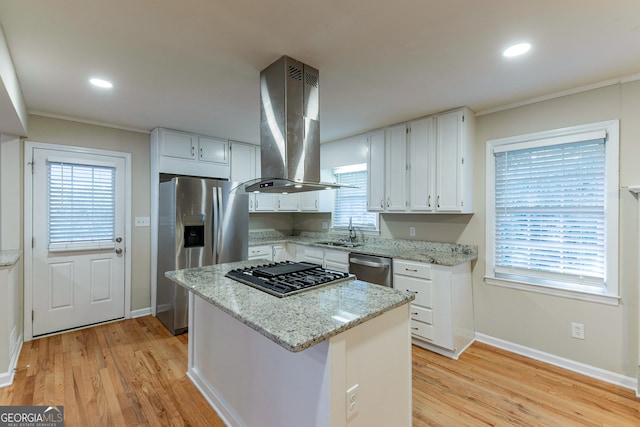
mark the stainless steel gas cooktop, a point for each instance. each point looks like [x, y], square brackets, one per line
[287, 278]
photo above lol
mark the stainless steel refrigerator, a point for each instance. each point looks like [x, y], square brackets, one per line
[200, 223]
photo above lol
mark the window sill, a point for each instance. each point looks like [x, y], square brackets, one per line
[557, 292]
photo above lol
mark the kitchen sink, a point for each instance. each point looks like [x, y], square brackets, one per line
[338, 244]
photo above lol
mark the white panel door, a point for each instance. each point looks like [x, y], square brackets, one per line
[449, 161]
[78, 239]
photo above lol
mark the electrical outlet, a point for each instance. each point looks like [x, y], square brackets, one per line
[352, 401]
[143, 221]
[412, 231]
[577, 330]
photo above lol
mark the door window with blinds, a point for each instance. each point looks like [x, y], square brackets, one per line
[81, 206]
[351, 202]
[552, 209]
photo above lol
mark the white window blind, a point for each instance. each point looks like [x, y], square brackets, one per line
[351, 202]
[550, 212]
[81, 206]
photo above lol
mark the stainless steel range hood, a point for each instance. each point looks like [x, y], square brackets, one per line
[289, 129]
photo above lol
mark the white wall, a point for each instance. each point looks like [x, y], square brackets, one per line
[343, 152]
[542, 322]
[56, 131]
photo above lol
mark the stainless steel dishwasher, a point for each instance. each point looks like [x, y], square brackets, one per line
[372, 269]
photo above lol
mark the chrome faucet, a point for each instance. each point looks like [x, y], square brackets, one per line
[352, 232]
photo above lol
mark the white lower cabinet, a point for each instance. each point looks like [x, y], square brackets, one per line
[442, 313]
[333, 259]
[336, 260]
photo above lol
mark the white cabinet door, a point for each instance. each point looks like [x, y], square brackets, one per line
[310, 201]
[335, 259]
[449, 161]
[421, 161]
[243, 161]
[213, 150]
[396, 167]
[178, 144]
[287, 202]
[375, 171]
[265, 202]
[279, 253]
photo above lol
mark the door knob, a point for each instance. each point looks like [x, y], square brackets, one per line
[119, 251]
[118, 239]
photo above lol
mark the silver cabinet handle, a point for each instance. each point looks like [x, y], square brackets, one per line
[411, 269]
[382, 202]
[438, 201]
[388, 201]
[415, 329]
[429, 201]
[413, 292]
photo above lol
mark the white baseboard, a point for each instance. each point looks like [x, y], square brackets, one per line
[224, 411]
[6, 378]
[571, 365]
[141, 312]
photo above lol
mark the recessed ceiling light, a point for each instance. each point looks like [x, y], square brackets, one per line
[516, 50]
[101, 83]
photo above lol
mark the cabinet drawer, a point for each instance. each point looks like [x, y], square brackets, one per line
[421, 314]
[413, 269]
[422, 330]
[422, 288]
[260, 252]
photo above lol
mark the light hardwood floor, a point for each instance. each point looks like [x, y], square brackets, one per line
[133, 373]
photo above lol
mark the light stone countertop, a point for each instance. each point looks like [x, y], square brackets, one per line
[447, 254]
[9, 258]
[298, 321]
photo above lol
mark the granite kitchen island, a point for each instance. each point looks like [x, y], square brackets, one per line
[267, 361]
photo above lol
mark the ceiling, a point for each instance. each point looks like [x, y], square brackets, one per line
[194, 64]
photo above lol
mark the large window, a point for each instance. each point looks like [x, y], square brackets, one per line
[553, 211]
[351, 202]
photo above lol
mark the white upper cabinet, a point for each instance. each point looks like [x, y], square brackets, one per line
[396, 168]
[243, 161]
[178, 144]
[376, 171]
[421, 161]
[184, 153]
[454, 160]
[424, 165]
[387, 169]
[213, 150]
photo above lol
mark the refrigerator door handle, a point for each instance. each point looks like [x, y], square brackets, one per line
[217, 226]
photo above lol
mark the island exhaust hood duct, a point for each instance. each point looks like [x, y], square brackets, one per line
[289, 129]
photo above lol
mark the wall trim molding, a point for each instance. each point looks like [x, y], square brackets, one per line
[141, 312]
[571, 365]
[6, 378]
